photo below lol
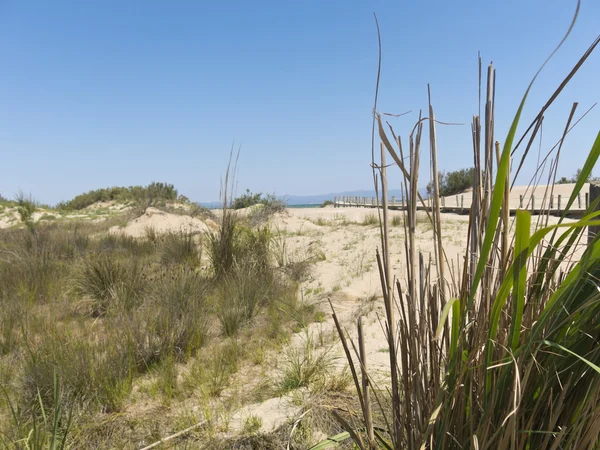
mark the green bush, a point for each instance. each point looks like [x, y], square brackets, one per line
[152, 194]
[326, 203]
[452, 183]
[246, 200]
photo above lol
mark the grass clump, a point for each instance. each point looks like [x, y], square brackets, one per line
[370, 219]
[26, 207]
[223, 244]
[252, 424]
[180, 248]
[305, 366]
[180, 312]
[243, 292]
[110, 284]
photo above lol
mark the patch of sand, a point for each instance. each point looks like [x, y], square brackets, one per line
[163, 222]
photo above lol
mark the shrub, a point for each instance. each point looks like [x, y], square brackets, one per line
[254, 248]
[452, 183]
[150, 195]
[326, 203]
[26, 206]
[223, 244]
[179, 313]
[179, 248]
[246, 200]
[243, 291]
[110, 283]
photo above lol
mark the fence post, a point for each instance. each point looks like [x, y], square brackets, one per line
[579, 200]
[559, 198]
[462, 203]
[552, 201]
[533, 204]
[594, 194]
[587, 200]
[520, 202]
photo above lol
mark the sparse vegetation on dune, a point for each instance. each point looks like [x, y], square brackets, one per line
[106, 320]
[151, 195]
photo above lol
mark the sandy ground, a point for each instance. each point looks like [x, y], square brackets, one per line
[163, 222]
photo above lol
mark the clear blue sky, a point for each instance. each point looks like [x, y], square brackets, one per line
[101, 93]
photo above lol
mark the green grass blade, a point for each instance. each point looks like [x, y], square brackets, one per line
[346, 426]
[520, 274]
[331, 441]
[497, 198]
[503, 167]
[507, 284]
[444, 316]
[564, 349]
[385, 444]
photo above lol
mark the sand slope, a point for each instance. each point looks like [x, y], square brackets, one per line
[163, 222]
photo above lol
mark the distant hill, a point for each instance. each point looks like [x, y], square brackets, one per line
[293, 200]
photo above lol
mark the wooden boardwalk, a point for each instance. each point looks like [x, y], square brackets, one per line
[538, 201]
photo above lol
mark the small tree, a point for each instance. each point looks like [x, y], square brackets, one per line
[453, 182]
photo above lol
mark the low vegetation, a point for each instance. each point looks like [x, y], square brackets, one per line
[151, 195]
[574, 178]
[92, 323]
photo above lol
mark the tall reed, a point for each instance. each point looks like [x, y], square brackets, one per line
[503, 351]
